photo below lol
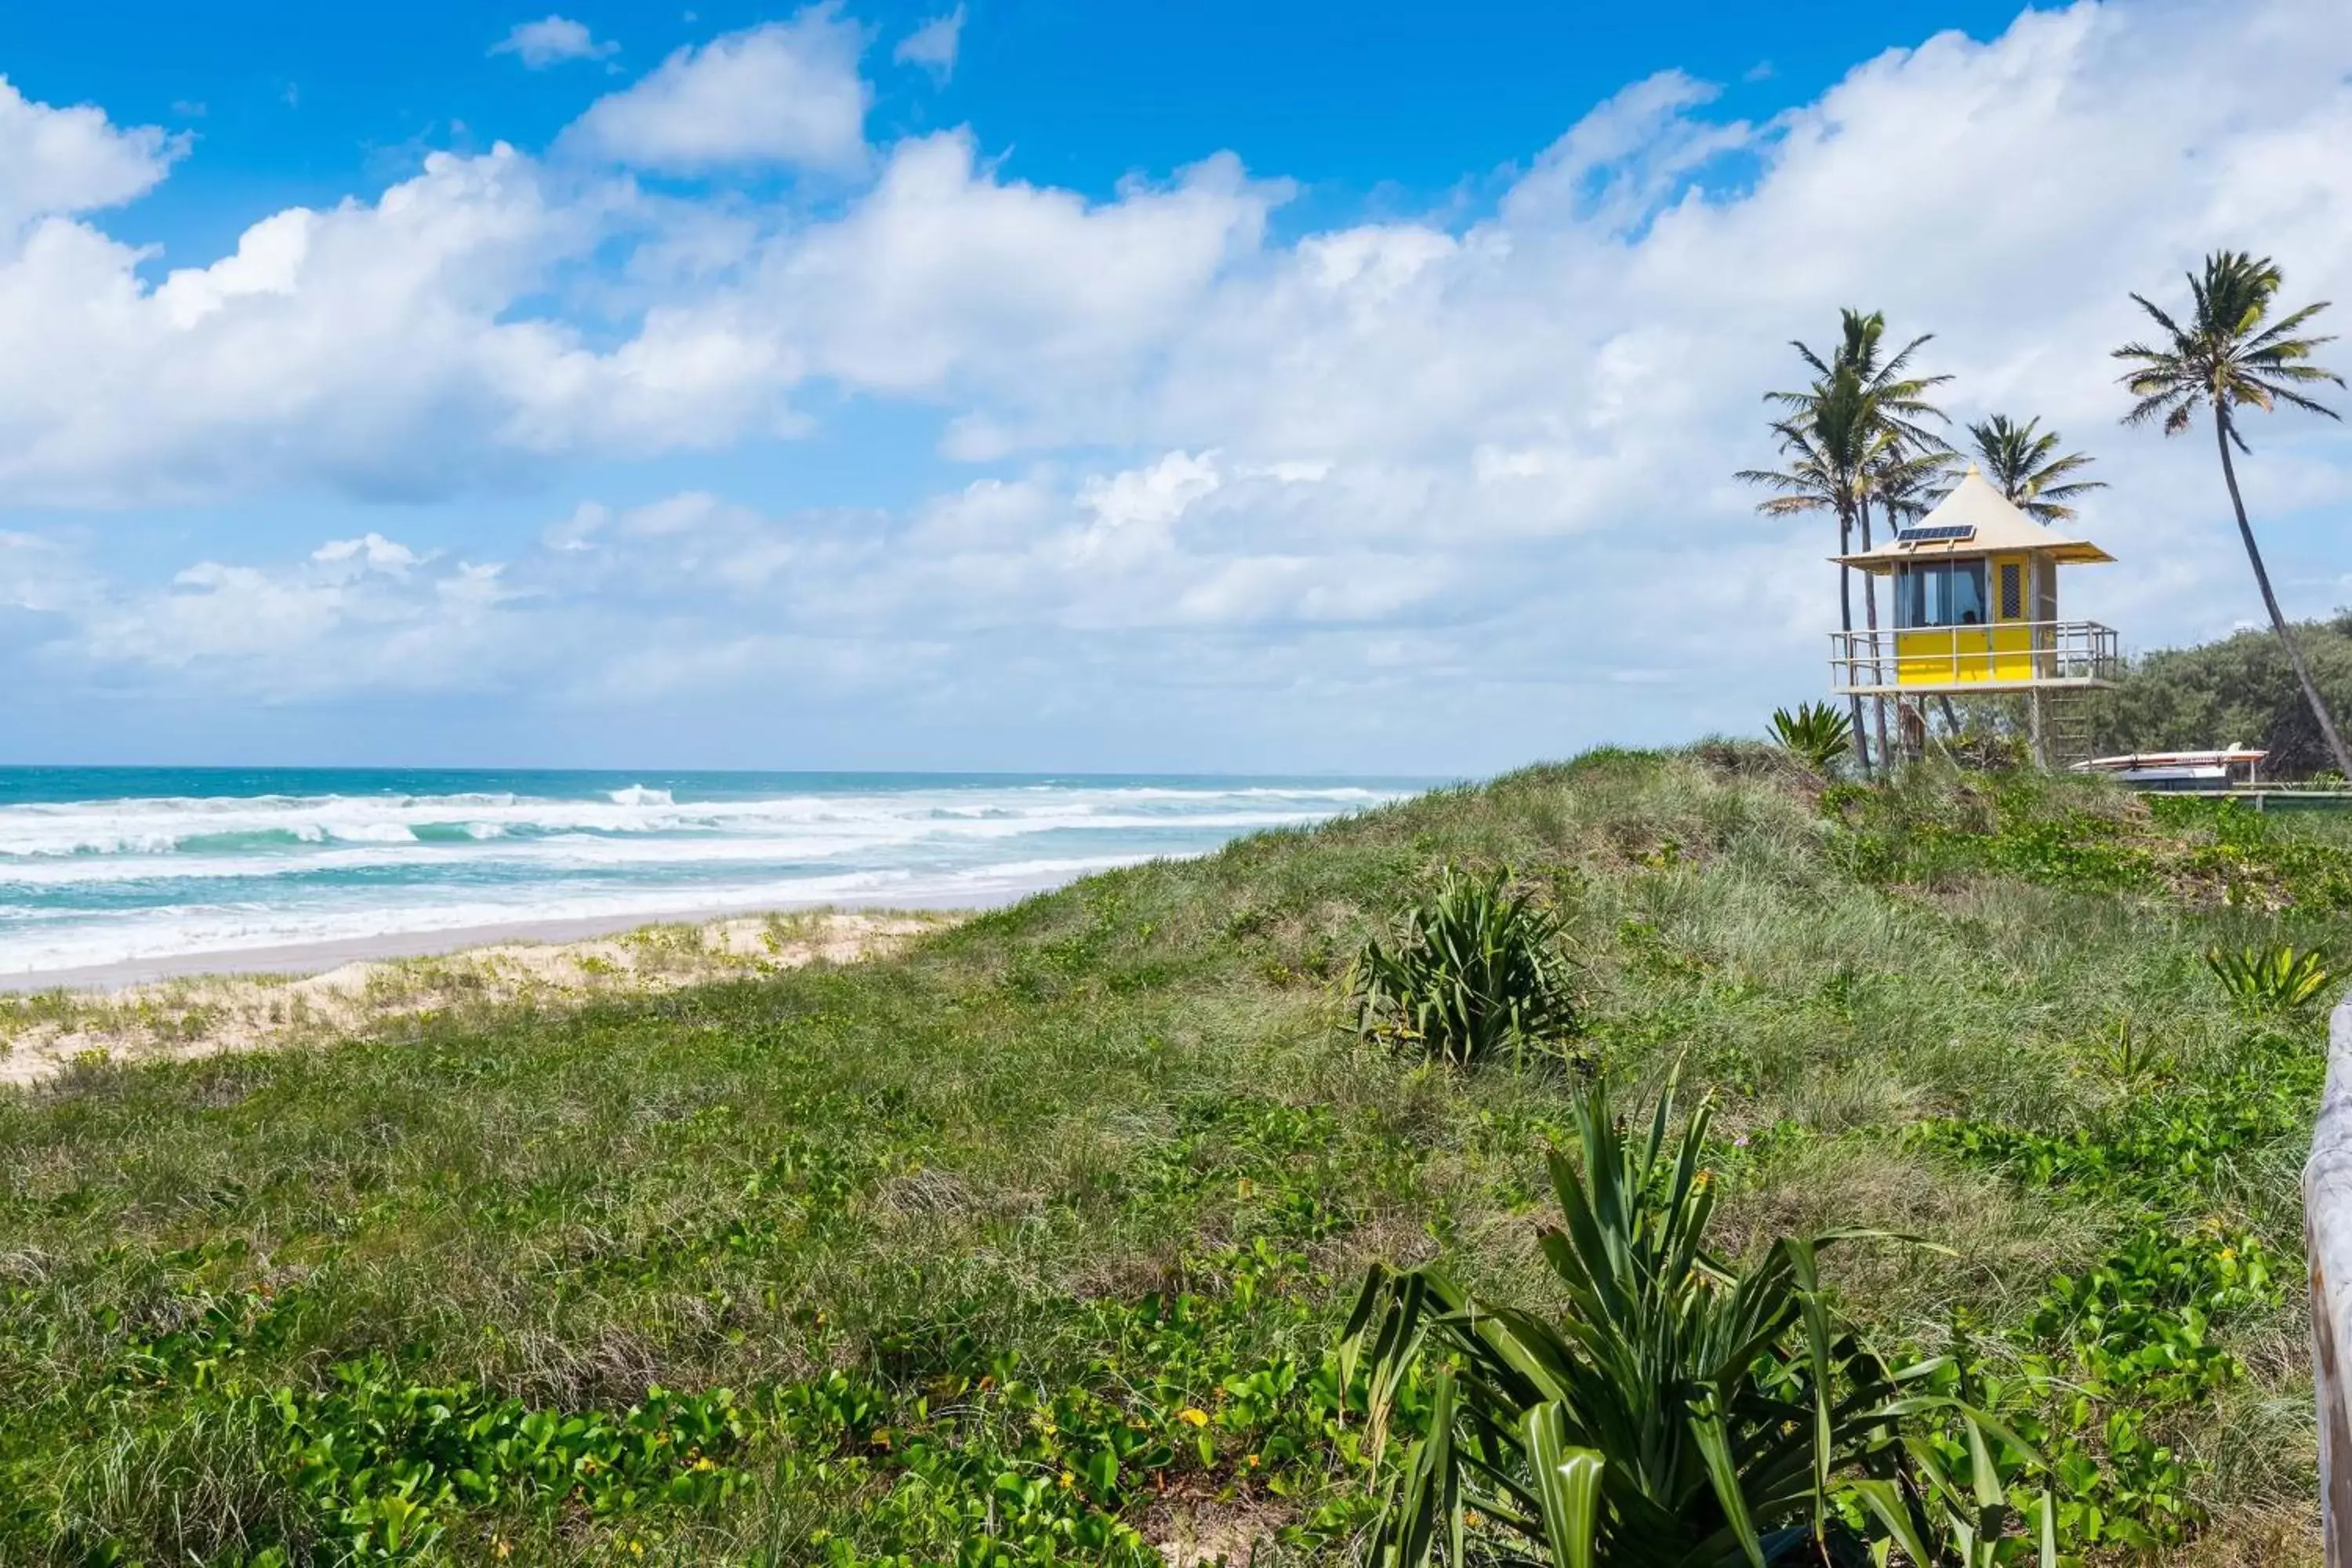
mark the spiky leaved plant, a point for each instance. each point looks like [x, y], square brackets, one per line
[1472, 971]
[2277, 979]
[1814, 733]
[1681, 1413]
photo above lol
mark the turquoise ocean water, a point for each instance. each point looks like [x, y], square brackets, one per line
[111, 866]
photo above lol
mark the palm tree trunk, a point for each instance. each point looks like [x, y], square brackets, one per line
[1870, 612]
[2270, 602]
[1845, 621]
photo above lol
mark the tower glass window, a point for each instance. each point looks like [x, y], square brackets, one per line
[1939, 593]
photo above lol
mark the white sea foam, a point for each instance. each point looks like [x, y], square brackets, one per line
[169, 826]
[207, 929]
[104, 881]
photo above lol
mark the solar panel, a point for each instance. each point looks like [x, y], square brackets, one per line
[1933, 535]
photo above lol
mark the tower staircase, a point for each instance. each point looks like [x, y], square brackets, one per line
[2066, 728]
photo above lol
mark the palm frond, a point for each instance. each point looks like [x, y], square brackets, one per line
[2230, 350]
[2162, 320]
[2022, 461]
[2309, 406]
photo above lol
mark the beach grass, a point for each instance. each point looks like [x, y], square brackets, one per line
[1028, 1242]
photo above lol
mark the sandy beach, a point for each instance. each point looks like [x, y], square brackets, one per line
[201, 1004]
[315, 957]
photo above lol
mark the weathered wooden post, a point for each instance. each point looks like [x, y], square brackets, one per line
[2327, 1237]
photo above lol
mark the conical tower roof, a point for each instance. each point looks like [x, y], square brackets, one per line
[1974, 520]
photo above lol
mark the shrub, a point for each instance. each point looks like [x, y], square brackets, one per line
[1474, 969]
[1683, 1414]
[1815, 734]
[2277, 979]
[2240, 690]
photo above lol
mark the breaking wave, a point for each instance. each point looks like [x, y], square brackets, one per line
[105, 879]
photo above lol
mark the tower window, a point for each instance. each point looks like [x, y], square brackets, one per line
[1939, 593]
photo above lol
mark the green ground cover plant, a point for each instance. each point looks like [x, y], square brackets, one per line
[1034, 1243]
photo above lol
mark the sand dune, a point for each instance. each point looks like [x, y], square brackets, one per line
[47, 1033]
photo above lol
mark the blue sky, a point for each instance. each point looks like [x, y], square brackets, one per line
[1029, 384]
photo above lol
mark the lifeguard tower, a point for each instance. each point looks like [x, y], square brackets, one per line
[1976, 612]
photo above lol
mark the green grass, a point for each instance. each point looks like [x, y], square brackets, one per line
[1029, 1245]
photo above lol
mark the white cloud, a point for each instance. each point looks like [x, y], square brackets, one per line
[933, 45]
[39, 576]
[370, 345]
[371, 552]
[1455, 463]
[56, 161]
[782, 93]
[551, 41]
[359, 614]
[945, 279]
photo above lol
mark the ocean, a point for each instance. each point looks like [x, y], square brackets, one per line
[117, 866]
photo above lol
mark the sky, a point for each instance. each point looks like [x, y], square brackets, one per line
[1030, 384]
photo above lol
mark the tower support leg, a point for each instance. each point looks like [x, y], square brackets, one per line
[2037, 731]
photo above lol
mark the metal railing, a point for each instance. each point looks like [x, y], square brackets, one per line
[2050, 653]
[2327, 1239]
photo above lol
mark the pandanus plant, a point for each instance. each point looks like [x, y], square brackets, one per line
[1682, 1411]
[1814, 733]
[1473, 971]
[2277, 979]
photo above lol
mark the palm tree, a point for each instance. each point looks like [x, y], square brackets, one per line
[2223, 359]
[1823, 473]
[1902, 405]
[2018, 460]
[1867, 417]
[1906, 486]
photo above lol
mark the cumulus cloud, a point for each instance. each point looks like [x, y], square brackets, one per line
[357, 615]
[553, 40]
[386, 347]
[933, 45]
[1451, 463]
[359, 344]
[74, 159]
[946, 278]
[1179, 543]
[782, 93]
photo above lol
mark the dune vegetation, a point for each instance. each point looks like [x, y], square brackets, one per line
[2240, 690]
[1034, 1241]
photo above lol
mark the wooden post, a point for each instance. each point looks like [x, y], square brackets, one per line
[2327, 1238]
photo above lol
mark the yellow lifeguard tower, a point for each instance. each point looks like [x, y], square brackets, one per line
[1976, 612]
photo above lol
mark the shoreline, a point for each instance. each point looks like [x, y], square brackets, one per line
[297, 959]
